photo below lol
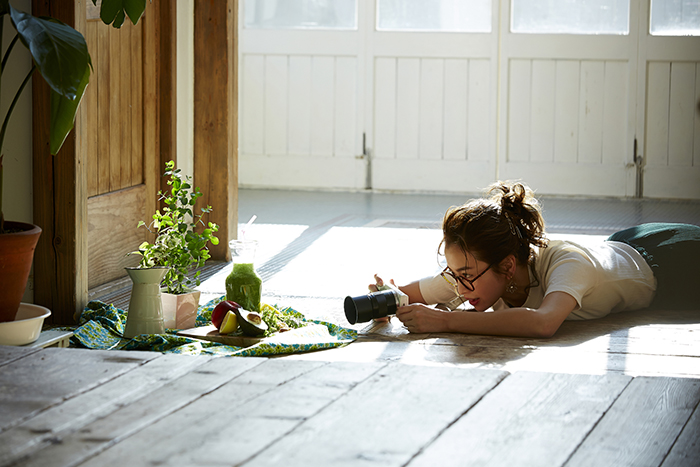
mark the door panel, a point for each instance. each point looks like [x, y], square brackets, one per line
[432, 115]
[118, 211]
[668, 118]
[434, 100]
[567, 117]
[672, 129]
[300, 121]
[672, 168]
[119, 105]
[114, 99]
[299, 100]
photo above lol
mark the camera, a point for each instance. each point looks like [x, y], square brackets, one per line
[379, 304]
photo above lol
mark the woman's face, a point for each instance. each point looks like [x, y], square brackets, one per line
[488, 287]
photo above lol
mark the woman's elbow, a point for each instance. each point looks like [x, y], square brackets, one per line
[544, 327]
[554, 310]
[545, 333]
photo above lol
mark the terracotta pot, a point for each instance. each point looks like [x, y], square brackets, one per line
[180, 311]
[16, 256]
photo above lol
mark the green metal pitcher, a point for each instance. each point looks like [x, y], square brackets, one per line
[145, 314]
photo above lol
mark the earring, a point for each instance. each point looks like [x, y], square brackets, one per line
[511, 288]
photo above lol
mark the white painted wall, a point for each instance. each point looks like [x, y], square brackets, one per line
[17, 148]
[185, 86]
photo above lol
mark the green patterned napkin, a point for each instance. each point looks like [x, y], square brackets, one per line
[101, 326]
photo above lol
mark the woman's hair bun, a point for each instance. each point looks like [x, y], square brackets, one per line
[521, 208]
[512, 195]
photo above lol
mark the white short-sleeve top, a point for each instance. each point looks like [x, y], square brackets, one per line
[606, 278]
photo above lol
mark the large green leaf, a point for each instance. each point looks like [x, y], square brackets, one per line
[63, 112]
[59, 51]
[114, 11]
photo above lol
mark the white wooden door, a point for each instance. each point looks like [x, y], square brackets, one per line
[669, 111]
[567, 112]
[560, 100]
[434, 98]
[300, 100]
[365, 108]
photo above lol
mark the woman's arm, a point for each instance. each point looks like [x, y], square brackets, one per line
[413, 292]
[516, 322]
[412, 289]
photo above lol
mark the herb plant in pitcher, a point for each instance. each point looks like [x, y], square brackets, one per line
[178, 246]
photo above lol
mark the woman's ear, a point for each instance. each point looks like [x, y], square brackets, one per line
[507, 265]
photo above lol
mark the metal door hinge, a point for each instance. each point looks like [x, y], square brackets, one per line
[639, 164]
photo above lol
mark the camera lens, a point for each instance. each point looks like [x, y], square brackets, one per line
[371, 306]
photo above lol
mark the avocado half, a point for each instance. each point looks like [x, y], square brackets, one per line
[251, 323]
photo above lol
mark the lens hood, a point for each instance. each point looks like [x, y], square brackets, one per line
[374, 305]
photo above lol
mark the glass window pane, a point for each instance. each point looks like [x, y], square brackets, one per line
[675, 18]
[434, 15]
[570, 16]
[300, 14]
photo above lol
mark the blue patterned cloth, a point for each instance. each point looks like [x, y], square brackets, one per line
[101, 326]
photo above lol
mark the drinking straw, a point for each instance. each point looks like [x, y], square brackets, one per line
[245, 227]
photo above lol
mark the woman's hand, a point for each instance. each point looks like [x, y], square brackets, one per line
[419, 318]
[378, 282]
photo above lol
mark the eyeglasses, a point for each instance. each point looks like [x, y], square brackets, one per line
[467, 283]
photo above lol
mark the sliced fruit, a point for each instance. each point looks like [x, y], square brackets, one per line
[251, 323]
[220, 310]
[230, 323]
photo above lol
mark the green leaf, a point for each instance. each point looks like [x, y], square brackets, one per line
[109, 10]
[178, 246]
[119, 20]
[59, 51]
[63, 111]
[115, 11]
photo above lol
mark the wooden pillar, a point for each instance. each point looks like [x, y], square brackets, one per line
[216, 116]
[60, 193]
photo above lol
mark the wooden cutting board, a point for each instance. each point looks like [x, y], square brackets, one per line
[210, 333]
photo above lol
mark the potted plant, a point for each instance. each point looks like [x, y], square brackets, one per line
[179, 247]
[60, 55]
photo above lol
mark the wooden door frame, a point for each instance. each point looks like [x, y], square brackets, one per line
[60, 182]
[216, 116]
[60, 193]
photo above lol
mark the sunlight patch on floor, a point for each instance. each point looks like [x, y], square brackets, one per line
[344, 259]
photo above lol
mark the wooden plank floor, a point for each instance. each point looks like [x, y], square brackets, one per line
[67, 407]
[620, 391]
[639, 343]
[310, 259]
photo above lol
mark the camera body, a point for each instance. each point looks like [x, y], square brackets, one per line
[379, 304]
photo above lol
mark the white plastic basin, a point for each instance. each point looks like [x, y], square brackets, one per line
[26, 327]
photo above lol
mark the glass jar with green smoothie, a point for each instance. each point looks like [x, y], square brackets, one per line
[243, 285]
